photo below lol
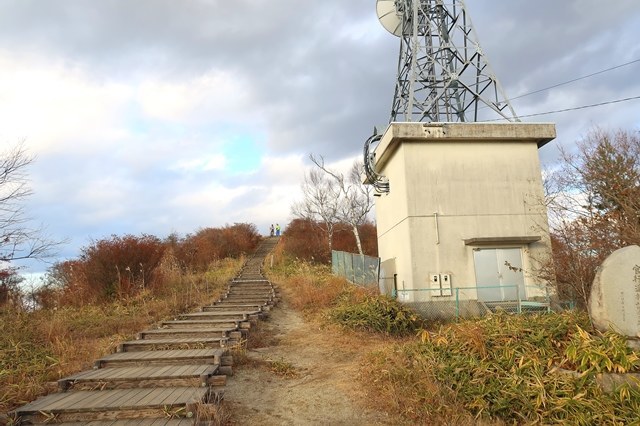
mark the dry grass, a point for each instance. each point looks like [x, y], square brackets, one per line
[40, 347]
[311, 288]
[213, 413]
[500, 369]
[402, 384]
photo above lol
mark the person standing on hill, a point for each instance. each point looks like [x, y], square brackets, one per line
[271, 229]
[277, 230]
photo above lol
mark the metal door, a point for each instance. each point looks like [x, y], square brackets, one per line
[497, 268]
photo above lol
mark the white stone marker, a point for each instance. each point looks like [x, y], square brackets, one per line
[614, 302]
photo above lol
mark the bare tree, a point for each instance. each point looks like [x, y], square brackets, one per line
[17, 239]
[320, 203]
[594, 206]
[355, 199]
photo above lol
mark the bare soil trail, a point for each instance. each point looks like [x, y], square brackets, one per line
[302, 375]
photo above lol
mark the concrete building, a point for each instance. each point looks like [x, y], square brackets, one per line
[464, 211]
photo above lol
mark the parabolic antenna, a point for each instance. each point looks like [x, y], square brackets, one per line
[389, 16]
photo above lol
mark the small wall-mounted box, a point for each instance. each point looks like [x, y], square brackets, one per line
[445, 284]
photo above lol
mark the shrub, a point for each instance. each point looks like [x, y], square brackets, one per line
[605, 352]
[304, 239]
[379, 314]
[120, 266]
[507, 367]
[307, 240]
[198, 251]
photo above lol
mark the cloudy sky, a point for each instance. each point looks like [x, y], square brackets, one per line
[161, 116]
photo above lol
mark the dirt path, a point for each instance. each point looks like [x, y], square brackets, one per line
[303, 375]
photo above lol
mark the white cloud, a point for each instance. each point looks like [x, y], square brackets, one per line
[215, 162]
[138, 111]
[216, 96]
[53, 105]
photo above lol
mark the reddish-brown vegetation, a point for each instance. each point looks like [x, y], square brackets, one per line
[123, 266]
[306, 240]
[199, 250]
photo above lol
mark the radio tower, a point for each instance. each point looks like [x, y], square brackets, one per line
[443, 75]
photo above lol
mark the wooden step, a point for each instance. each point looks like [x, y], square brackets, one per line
[234, 307]
[165, 344]
[175, 333]
[143, 377]
[251, 291]
[218, 315]
[248, 296]
[246, 300]
[240, 304]
[251, 286]
[159, 358]
[84, 406]
[164, 421]
[227, 324]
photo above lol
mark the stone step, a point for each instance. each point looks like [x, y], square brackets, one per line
[159, 358]
[190, 375]
[114, 404]
[166, 344]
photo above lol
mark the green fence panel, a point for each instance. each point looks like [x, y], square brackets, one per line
[359, 269]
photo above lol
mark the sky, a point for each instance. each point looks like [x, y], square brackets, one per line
[167, 116]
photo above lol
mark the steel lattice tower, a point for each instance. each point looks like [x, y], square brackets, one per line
[443, 75]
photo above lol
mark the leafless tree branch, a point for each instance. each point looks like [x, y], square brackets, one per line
[17, 239]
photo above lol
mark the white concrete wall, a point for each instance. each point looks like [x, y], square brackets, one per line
[482, 181]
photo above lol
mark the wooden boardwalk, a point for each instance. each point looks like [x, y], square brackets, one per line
[168, 375]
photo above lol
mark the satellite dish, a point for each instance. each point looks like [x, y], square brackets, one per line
[389, 16]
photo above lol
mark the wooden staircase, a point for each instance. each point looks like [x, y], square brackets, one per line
[169, 374]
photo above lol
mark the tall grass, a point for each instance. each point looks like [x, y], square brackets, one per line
[44, 345]
[309, 287]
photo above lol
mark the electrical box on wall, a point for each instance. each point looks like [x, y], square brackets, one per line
[445, 284]
[440, 285]
[434, 284]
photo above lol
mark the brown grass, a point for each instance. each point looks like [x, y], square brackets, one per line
[390, 379]
[214, 413]
[402, 385]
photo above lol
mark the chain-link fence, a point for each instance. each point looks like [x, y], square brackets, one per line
[464, 302]
[357, 268]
